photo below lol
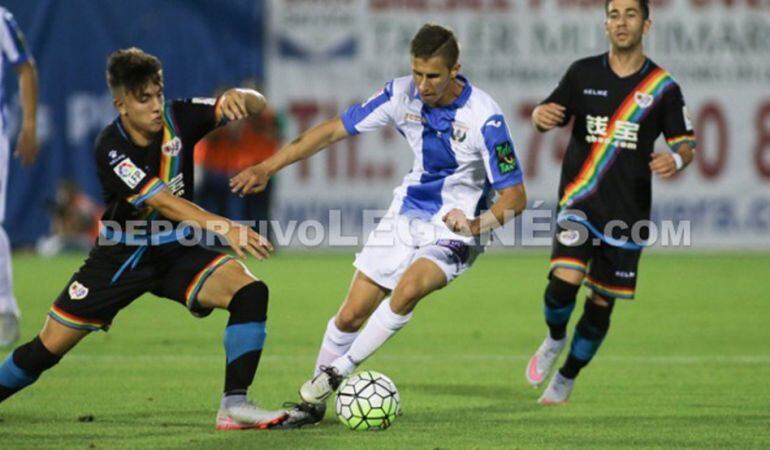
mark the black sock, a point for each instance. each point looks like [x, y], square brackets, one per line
[589, 334]
[559, 300]
[245, 336]
[23, 367]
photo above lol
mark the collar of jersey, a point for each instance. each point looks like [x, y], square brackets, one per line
[125, 135]
[459, 102]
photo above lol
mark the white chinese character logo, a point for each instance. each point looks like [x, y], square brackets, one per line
[626, 134]
[596, 126]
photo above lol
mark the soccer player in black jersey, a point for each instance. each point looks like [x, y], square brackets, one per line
[144, 161]
[621, 101]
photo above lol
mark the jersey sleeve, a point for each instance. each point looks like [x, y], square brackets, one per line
[198, 116]
[123, 177]
[677, 128]
[563, 94]
[502, 166]
[12, 42]
[373, 114]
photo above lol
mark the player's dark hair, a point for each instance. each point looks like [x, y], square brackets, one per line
[132, 69]
[435, 40]
[644, 5]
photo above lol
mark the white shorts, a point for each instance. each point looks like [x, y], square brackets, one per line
[397, 242]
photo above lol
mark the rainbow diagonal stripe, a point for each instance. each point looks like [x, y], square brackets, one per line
[197, 283]
[603, 154]
[170, 163]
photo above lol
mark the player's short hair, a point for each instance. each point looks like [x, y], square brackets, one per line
[644, 5]
[131, 70]
[434, 40]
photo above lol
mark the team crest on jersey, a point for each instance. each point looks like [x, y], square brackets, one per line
[172, 147]
[643, 99]
[77, 291]
[568, 237]
[506, 161]
[129, 173]
[459, 133]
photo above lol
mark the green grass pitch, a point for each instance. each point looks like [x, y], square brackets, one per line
[685, 365]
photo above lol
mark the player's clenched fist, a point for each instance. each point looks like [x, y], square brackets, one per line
[233, 103]
[251, 180]
[663, 164]
[548, 115]
[456, 221]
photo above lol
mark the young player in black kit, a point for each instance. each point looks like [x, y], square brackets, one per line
[621, 101]
[144, 161]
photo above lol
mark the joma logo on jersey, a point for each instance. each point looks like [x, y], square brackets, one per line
[172, 147]
[176, 185]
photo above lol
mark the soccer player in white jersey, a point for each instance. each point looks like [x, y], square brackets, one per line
[14, 50]
[430, 234]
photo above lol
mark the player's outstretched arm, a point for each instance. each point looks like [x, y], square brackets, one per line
[254, 179]
[239, 237]
[27, 145]
[237, 103]
[666, 164]
[548, 116]
[510, 203]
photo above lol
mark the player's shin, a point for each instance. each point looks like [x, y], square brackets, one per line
[23, 367]
[559, 302]
[383, 324]
[335, 344]
[589, 334]
[244, 338]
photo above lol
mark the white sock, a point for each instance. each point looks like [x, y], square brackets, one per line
[7, 300]
[383, 324]
[334, 345]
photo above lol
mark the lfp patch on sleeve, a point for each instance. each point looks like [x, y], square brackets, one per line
[506, 161]
[129, 173]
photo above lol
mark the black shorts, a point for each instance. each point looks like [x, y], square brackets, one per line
[609, 271]
[99, 289]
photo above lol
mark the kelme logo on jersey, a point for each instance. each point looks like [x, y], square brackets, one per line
[506, 162]
[643, 99]
[129, 173]
[77, 291]
[172, 147]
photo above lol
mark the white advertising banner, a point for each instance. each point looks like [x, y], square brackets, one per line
[326, 55]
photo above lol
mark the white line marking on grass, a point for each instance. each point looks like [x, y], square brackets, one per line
[436, 359]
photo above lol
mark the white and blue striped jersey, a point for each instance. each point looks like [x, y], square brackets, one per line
[13, 49]
[461, 151]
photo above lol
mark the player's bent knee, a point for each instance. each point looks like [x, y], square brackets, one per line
[350, 320]
[599, 300]
[568, 275]
[59, 338]
[249, 304]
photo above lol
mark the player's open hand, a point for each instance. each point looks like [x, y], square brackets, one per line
[233, 104]
[663, 164]
[26, 146]
[251, 180]
[548, 115]
[456, 221]
[244, 239]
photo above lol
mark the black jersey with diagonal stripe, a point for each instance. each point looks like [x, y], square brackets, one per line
[606, 171]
